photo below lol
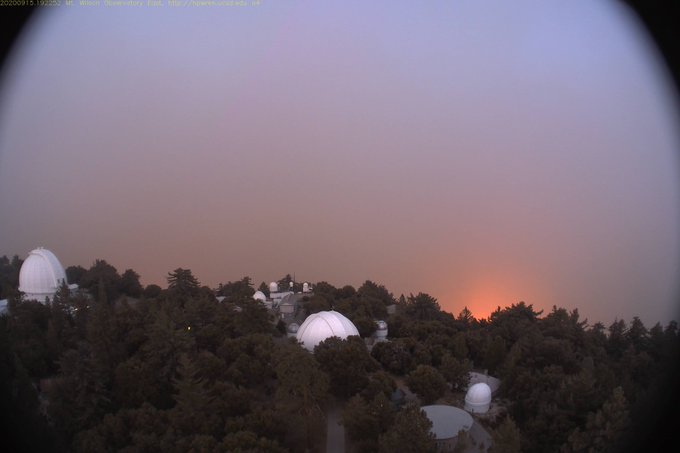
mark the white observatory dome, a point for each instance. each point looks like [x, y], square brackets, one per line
[41, 275]
[305, 287]
[273, 287]
[259, 295]
[381, 330]
[322, 325]
[478, 398]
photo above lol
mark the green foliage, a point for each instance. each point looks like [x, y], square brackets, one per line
[264, 288]
[237, 291]
[78, 396]
[28, 324]
[195, 406]
[427, 383]
[604, 429]
[178, 371]
[302, 390]
[315, 304]
[248, 441]
[9, 276]
[182, 283]
[395, 356]
[346, 362]
[248, 359]
[456, 372]
[74, 274]
[129, 284]
[152, 291]
[25, 429]
[365, 420]
[506, 438]
[253, 318]
[422, 307]
[379, 382]
[102, 281]
[410, 433]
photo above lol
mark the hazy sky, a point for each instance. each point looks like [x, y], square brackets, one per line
[482, 152]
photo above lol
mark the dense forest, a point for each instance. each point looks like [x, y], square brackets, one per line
[122, 367]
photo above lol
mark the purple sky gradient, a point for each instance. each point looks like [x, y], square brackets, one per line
[484, 154]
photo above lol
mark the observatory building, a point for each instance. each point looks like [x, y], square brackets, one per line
[447, 422]
[322, 325]
[41, 275]
[478, 398]
[380, 333]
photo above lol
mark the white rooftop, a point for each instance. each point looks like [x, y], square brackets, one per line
[447, 421]
[322, 325]
[41, 275]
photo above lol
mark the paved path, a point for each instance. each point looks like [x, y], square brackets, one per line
[335, 433]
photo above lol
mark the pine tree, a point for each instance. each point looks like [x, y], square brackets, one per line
[302, 390]
[194, 411]
[603, 429]
[506, 438]
[183, 283]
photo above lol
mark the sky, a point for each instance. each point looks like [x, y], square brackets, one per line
[481, 152]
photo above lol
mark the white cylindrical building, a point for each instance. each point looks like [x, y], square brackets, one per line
[380, 331]
[41, 275]
[273, 287]
[478, 398]
[292, 329]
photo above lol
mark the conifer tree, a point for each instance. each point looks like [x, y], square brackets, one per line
[506, 438]
[194, 411]
[603, 429]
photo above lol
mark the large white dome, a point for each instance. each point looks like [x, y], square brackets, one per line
[41, 275]
[322, 325]
[259, 295]
[478, 398]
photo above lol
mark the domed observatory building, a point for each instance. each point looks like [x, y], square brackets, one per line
[478, 398]
[380, 333]
[292, 330]
[41, 275]
[322, 325]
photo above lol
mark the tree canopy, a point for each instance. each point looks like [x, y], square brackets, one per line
[175, 369]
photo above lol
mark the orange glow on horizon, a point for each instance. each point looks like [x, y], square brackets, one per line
[481, 300]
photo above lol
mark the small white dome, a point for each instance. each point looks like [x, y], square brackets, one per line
[478, 398]
[41, 275]
[293, 327]
[305, 287]
[259, 295]
[322, 325]
[273, 287]
[381, 330]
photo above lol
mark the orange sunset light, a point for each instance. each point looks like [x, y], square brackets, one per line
[481, 298]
